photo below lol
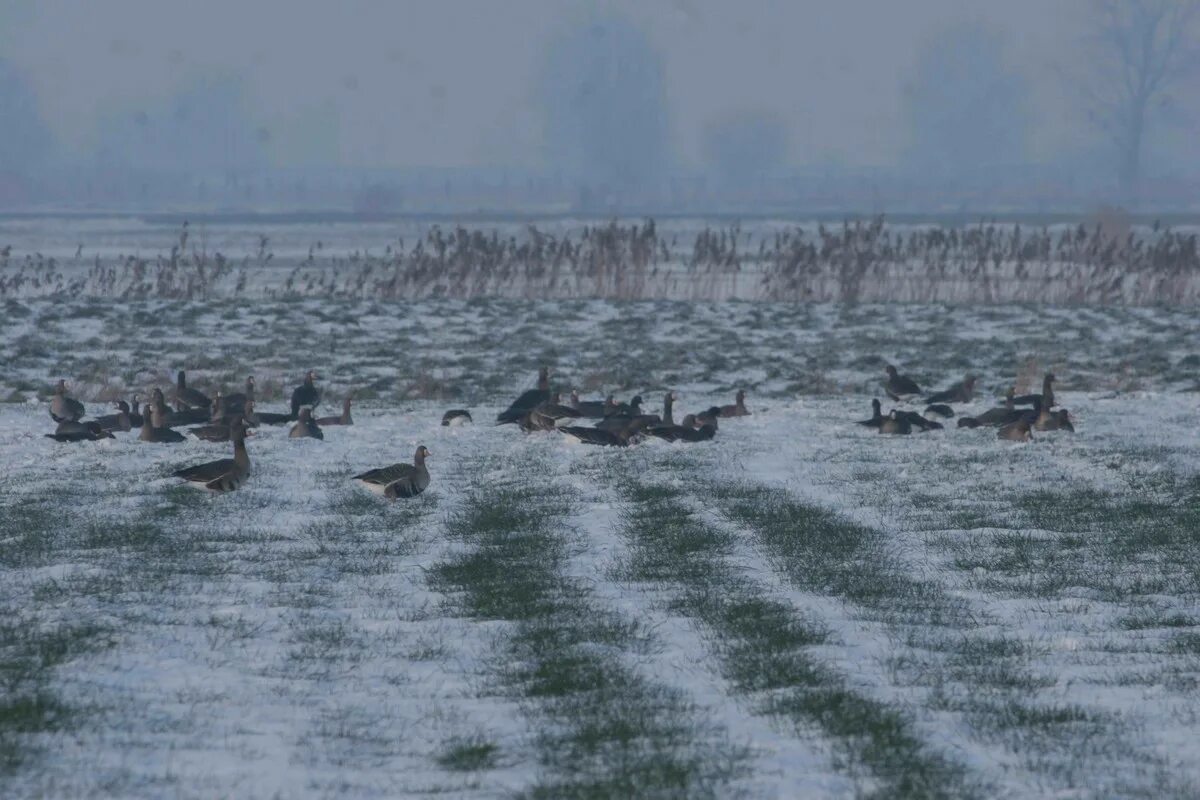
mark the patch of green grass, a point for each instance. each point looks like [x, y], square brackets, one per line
[469, 754]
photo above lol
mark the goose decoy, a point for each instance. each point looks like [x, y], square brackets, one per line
[876, 416]
[1045, 399]
[116, 422]
[1017, 431]
[456, 416]
[894, 423]
[74, 431]
[961, 392]
[154, 428]
[528, 400]
[592, 409]
[738, 409]
[941, 409]
[899, 387]
[305, 394]
[342, 419]
[1054, 421]
[236, 403]
[399, 480]
[306, 427]
[63, 408]
[226, 474]
[187, 397]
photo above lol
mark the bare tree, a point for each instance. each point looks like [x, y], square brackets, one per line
[1140, 51]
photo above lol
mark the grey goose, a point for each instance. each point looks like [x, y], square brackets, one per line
[456, 416]
[738, 409]
[120, 421]
[64, 408]
[876, 415]
[226, 474]
[899, 387]
[306, 394]
[1043, 400]
[187, 397]
[154, 428]
[75, 431]
[895, 424]
[342, 419]
[236, 403]
[961, 392]
[399, 480]
[528, 400]
[306, 427]
[592, 409]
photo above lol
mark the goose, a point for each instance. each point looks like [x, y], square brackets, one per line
[549, 415]
[668, 416]
[620, 437]
[306, 427]
[915, 420]
[528, 400]
[1017, 431]
[1054, 421]
[63, 408]
[1001, 415]
[1043, 400]
[894, 423]
[187, 397]
[155, 430]
[708, 417]
[456, 416]
[961, 392]
[899, 387]
[631, 409]
[738, 409]
[236, 403]
[223, 431]
[136, 418]
[116, 422]
[876, 416]
[343, 419]
[592, 409]
[399, 480]
[626, 414]
[941, 409]
[968, 422]
[686, 431]
[305, 394]
[74, 431]
[274, 418]
[226, 474]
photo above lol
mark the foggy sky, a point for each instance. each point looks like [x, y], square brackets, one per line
[455, 83]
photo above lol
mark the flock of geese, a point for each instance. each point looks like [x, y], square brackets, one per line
[232, 417]
[1015, 420]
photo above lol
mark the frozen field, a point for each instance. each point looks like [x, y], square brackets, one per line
[799, 608]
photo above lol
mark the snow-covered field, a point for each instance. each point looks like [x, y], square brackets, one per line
[799, 608]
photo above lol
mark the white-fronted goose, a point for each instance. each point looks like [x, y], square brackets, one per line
[223, 431]
[63, 408]
[941, 409]
[550, 415]
[226, 474]
[592, 409]
[306, 394]
[1043, 400]
[1017, 431]
[528, 400]
[625, 414]
[306, 427]
[899, 387]
[75, 431]
[961, 392]
[894, 423]
[876, 415]
[1000, 415]
[155, 430]
[456, 416]
[619, 437]
[399, 480]
[236, 403]
[1054, 421]
[187, 397]
[342, 419]
[116, 422]
[738, 409]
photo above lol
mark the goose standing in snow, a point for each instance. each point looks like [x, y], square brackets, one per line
[63, 408]
[116, 422]
[399, 480]
[226, 474]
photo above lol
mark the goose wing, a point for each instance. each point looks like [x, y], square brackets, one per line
[207, 472]
[386, 475]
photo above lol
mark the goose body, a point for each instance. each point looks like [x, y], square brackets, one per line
[876, 416]
[73, 431]
[154, 430]
[1043, 400]
[236, 403]
[528, 400]
[941, 409]
[223, 475]
[738, 409]
[961, 392]
[456, 416]
[893, 423]
[398, 480]
[306, 427]
[592, 409]
[1001, 415]
[1015, 431]
[188, 397]
[306, 394]
[64, 408]
[343, 419]
[899, 387]
[116, 422]
[1054, 421]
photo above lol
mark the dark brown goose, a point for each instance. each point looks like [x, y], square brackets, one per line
[1000, 415]
[154, 428]
[306, 394]
[1045, 399]
[941, 409]
[619, 437]
[1054, 421]
[226, 474]
[894, 423]
[686, 431]
[592, 409]
[223, 431]
[876, 416]
[74, 431]
[709, 417]
[899, 387]
[961, 392]
[236, 403]
[528, 400]
[116, 422]
[456, 416]
[399, 480]
[63, 408]
[917, 421]
[738, 409]
[1017, 431]
[342, 419]
[187, 397]
[306, 427]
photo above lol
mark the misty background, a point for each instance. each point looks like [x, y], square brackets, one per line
[539, 106]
